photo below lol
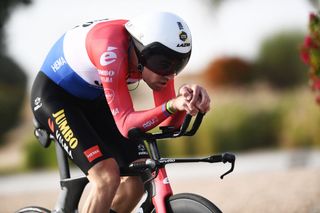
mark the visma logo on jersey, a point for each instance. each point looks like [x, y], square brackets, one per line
[106, 76]
[108, 73]
[64, 134]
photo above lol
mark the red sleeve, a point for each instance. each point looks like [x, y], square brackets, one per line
[109, 55]
[163, 96]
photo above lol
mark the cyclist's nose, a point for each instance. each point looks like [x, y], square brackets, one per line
[169, 77]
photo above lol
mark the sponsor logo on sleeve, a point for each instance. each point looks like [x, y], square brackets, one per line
[108, 57]
[37, 103]
[115, 111]
[150, 122]
[109, 93]
[93, 153]
[142, 150]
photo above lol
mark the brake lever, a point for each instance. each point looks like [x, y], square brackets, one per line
[230, 158]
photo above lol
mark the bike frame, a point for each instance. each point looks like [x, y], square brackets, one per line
[161, 182]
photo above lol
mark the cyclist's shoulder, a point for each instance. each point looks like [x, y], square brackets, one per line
[108, 31]
[101, 30]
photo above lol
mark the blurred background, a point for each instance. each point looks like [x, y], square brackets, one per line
[245, 52]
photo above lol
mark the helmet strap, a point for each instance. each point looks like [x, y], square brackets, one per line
[140, 67]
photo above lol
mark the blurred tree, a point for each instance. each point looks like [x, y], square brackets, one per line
[6, 7]
[278, 62]
[315, 3]
[13, 79]
[215, 3]
[228, 71]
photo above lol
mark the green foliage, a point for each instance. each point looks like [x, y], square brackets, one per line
[12, 92]
[301, 122]
[239, 129]
[12, 79]
[278, 62]
[37, 157]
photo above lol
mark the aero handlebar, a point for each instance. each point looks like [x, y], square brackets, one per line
[168, 132]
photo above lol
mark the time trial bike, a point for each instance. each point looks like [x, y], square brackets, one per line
[159, 195]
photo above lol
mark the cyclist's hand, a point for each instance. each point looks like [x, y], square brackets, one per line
[180, 103]
[197, 97]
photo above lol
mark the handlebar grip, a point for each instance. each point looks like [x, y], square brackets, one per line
[136, 133]
[228, 157]
[143, 164]
[184, 125]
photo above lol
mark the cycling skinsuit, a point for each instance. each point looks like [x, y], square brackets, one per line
[81, 96]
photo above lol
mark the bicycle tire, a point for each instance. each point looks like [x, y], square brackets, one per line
[33, 209]
[190, 203]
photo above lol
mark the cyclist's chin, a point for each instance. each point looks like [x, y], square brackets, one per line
[156, 86]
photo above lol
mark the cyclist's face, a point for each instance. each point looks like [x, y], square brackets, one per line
[155, 82]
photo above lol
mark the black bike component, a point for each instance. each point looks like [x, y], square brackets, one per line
[33, 209]
[41, 134]
[190, 203]
[167, 129]
[152, 165]
[138, 134]
[63, 164]
[195, 125]
[147, 205]
[184, 125]
[213, 159]
[143, 164]
[70, 194]
[230, 158]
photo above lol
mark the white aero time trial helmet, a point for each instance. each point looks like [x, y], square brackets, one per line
[162, 41]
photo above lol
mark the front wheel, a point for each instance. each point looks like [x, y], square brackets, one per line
[33, 209]
[190, 203]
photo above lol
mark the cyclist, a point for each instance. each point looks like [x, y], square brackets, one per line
[80, 94]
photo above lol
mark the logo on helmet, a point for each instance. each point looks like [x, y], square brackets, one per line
[183, 36]
[180, 25]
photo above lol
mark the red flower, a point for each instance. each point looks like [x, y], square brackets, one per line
[312, 16]
[308, 41]
[304, 55]
[316, 84]
[318, 99]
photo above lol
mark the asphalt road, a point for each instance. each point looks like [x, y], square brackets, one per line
[261, 182]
